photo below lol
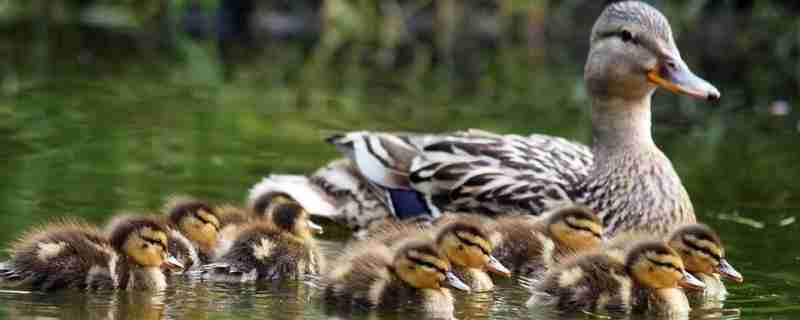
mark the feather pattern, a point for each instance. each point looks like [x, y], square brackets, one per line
[482, 172]
[336, 191]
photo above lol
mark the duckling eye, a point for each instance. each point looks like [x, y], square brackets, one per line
[461, 247]
[144, 245]
[627, 36]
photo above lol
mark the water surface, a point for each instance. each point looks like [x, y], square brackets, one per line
[93, 147]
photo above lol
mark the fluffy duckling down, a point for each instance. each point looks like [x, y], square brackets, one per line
[531, 245]
[464, 239]
[702, 252]
[645, 278]
[70, 254]
[196, 228]
[373, 276]
[279, 247]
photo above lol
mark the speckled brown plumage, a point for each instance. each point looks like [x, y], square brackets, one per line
[364, 278]
[604, 282]
[280, 247]
[69, 254]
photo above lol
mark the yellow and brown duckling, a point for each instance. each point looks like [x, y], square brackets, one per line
[645, 278]
[529, 245]
[702, 252]
[70, 254]
[198, 223]
[465, 240]
[374, 276]
[276, 248]
[704, 256]
[232, 218]
[469, 248]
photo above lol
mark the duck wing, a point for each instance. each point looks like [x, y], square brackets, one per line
[472, 170]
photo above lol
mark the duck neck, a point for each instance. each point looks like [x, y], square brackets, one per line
[621, 127]
[137, 277]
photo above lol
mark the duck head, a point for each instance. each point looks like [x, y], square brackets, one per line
[144, 242]
[293, 218]
[196, 220]
[576, 227]
[632, 52]
[468, 245]
[702, 251]
[657, 266]
[422, 266]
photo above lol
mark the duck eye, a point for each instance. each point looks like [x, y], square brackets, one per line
[627, 36]
[460, 247]
[144, 245]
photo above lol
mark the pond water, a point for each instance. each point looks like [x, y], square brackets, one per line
[93, 147]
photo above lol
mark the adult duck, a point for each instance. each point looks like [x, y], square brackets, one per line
[624, 177]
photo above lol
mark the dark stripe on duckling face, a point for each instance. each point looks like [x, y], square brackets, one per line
[667, 264]
[155, 242]
[207, 218]
[463, 237]
[427, 264]
[572, 223]
[695, 246]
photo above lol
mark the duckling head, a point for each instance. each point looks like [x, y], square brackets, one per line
[468, 245]
[293, 218]
[576, 227]
[657, 266]
[702, 251]
[422, 266]
[266, 203]
[144, 242]
[197, 221]
[632, 52]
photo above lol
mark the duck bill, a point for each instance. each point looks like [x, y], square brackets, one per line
[315, 228]
[676, 77]
[691, 282]
[727, 271]
[494, 266]
[454, 282]
[171, 263]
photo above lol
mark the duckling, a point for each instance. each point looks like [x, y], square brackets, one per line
[198, 222]
[468, 246]
[464, 239]
[704, 256]
[373, 276]
[231, 219]
[275, 248]
[69, 254]
[530, 245]
[700, 249]
[645, 278]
